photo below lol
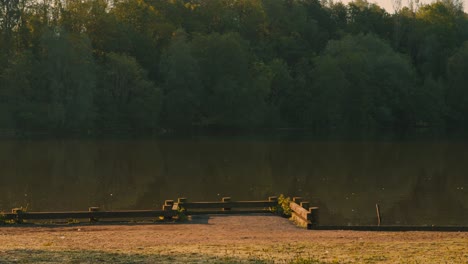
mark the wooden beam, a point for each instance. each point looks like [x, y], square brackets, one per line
[297, 200]
[379, 218]
[208, 212]
[299, 210]
[93, 209]
[169, 202]
[169, 207]
[226, 200]
[231, 204]
[9, 216]
[300, 221]
[273, 198]
[97, 214]
[19, 215]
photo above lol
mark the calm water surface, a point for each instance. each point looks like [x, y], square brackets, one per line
[414, 182]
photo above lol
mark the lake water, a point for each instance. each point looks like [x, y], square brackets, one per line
[414, 182]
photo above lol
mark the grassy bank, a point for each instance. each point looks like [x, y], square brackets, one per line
[321, 252]
[233, 239]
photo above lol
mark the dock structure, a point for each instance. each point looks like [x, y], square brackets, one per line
[302, 214]
[227, 206]
[93, 214]
[170, 211]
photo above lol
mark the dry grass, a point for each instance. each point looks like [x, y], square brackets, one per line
[219, 239]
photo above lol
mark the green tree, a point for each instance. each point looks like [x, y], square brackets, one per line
[70, 74]
[239, 63]
[280, 93]
[339, 15]
[228, 97]
[10, 14]
[457, 94]
[125, 98]
[365, 17]
[23, 101]
[291, 34]
[141, 32]
[429, 103]
[367, 83]
[329, 87]
[182, 86]
[439, 33]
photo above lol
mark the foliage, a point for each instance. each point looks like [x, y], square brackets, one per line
[69, 79]
[138, 65]
[181, 216]
[283, 208]
[362, 81]
[182, 87]
[457, 93]
[125, 96]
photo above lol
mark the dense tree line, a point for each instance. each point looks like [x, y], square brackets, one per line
[102, 65]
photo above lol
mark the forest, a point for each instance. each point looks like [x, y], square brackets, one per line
[102, 66]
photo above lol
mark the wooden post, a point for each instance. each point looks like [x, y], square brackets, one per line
[18, 212]
[377, 208]
[305, 205]
[226, 199]
[180, 204]
[314, 216]
[168, 207]
[273, 198]
[301, 216]
[93, 209]
[297, 200]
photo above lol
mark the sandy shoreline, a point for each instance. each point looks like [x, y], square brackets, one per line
[256, 239]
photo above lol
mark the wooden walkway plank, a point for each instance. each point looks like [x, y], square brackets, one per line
[230, 204]
[90, 214]
[304, 215]
[229, 212]
[300, 211]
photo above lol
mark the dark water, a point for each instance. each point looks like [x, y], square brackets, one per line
[415, 183]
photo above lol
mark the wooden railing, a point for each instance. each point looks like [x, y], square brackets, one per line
[93, 214]
[301, 212]
[227, 206]
[170, 210]
[304, 215]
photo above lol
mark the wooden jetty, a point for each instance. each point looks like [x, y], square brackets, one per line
[302, 214]
[227, 206]
[93, 214]
[170, 210]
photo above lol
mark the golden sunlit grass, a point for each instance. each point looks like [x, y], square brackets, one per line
[318, 252]
[217, 239]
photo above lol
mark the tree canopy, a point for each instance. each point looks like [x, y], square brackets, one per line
[139, 65]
